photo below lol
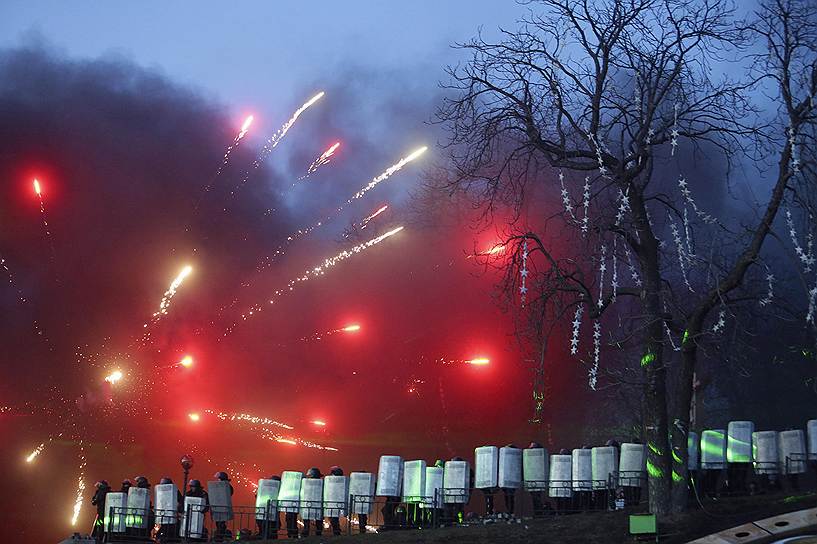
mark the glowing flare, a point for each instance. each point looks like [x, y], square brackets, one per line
[37, 451]
[366, 220]
[479, 361]
[37, 188]
[351, 328]
[325, 157]
[194, 416]
[285, 441]
[114, 377]
[187, 361]
[319, 423]
[389, 171]
[245, 127]
[171, 291]
[80, 497]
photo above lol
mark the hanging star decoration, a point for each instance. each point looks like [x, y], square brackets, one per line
[721, 323]
[566, 197]
[602, 269]
[577, 323]
[674, 134]
[586, 205]
[770, 292]
[594, 370]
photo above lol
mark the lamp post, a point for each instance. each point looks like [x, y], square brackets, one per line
[187, 464]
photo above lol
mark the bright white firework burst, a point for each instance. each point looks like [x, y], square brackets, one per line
[171, 291]
[318, 270]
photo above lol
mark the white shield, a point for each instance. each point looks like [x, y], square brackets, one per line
[266, 499]
[764, 444]
[434, 488]
[221, 500]
[739, 441]
[414, 481]
[361, 488]
[138, 507]
[693, 451]
[335, 495]
[582, 470]
[389, 476]
[535, 468]
[311, 498]
[115, 505]
[487, 467]
[713, 449]
[510, 468]
[811, 427]
[456, 482]
[167, 503]
[632, 464]
[561, 476]
[289, 496]
[605, 466]
[193, 526]
[792, 447]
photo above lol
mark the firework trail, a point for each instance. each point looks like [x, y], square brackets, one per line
[366, 220]
[37, 451]
[23, 300]
[249, 418]
[478, 361]
[275, 139]
[240, 136]
[46, 228]
[318, 270]
[171, 291]
[233, 470]
[80, 484]
[262, 425]
[114, 377]
[325, 157]
[300, 233]
[325, 334]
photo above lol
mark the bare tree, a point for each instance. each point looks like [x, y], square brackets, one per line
[608, 91]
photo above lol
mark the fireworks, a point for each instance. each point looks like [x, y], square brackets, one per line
[80, 485]
[366, 220]
[477, 361]
[114, 377]
[321, 335]
[37, 451]
[276, 138]
[325, 157]
[249, 418]
[243, 132]
[38, 191]
[319, 423]
[37, 188]
[194, 416]
[389, 171]
[318, 270]
[286, 441]
[186, 361]
[171, 291]
[491, 251]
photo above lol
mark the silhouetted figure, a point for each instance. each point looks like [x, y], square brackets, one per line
[537, 495]
[169, 531]
[101, 491]
[312, 473]
[334, 521]
[221, 526]
[269, 527]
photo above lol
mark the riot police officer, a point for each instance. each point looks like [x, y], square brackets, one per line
[101, 491]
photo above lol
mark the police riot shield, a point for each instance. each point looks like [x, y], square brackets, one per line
[389, 476]
[510, 468]
[414, 481]
[693, 451]
[604, 465]
[535, 468]
[266, 499]
[361, 488]
[487, 467]
[792, 450]
[311, 498]
[561, 476]
[713, 449]
[632, 465]
[115, 505]
[739, 441]
[582, 470]
[138, 508]
[764, 444]
[335, 495]
[167, 503]
[221, 500]
[289, 496]
[193, 517]
[811, 429]
[456, 482]
[433, 496]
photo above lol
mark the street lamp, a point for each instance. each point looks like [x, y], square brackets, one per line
[187, 464]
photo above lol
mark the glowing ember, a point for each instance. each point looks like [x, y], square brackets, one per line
[285, 441]
[480, 361]
[114, 377]
[245, 127]
[37, 451]
[37, 187]
[187, 361]
[366, 220]
[351, 328]
[325, 157]
[194, 416]
[171, 291]
[319, 423]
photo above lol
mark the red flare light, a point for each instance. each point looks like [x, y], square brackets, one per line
[247, 122]
[187, 361]
[319, 423]
[37, 188]
[351, 328]
[194, 416]
[479, 361]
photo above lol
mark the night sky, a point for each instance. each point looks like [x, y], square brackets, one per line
[124, 119]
